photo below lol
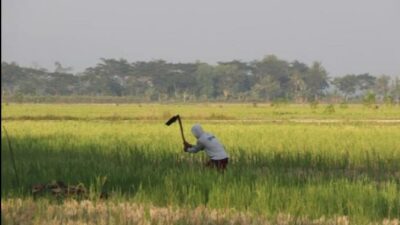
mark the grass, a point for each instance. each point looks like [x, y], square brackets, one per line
[205, 111]
[78, 212]
[346, 171]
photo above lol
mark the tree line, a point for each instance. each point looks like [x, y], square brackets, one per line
[268, 79]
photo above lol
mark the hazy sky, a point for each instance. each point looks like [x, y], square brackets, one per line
[347, 36]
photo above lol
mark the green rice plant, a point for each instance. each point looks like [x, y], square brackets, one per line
[306, 170]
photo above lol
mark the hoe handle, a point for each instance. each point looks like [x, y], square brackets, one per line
[180, 125]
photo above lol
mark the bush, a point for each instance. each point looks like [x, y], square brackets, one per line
[389, 100]
[369, 99]
[314, 104]
[344, 105]
[329, 109]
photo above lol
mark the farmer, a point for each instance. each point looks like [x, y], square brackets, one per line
[210, 144]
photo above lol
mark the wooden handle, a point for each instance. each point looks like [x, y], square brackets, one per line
[180, 125]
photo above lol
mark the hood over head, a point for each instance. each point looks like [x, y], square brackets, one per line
[197, 130]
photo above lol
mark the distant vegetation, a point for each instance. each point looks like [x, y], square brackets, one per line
[268, 79]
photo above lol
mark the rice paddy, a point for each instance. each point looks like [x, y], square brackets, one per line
[289, 164]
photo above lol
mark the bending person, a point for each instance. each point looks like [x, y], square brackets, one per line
[210, 144]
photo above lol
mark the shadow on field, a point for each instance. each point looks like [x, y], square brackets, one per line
[129, 169]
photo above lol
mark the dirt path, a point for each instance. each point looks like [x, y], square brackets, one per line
[208, 120]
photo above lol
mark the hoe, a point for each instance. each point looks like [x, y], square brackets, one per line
[173, 120]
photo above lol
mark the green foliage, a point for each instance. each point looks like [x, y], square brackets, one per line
[350, 84]
[382, 85]
[329, 109]
[316, 80]
[369, 99]
[389, 100]
[344, 105]
[267, 79]
[347, 84]
[19, 97]
[314, 105]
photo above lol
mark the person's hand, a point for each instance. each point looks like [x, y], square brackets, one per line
[186, 145]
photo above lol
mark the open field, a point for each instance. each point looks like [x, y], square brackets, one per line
[289, 164]
[205, 111]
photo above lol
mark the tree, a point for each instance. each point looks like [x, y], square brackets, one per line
[316, 81]
[395, 90]
[230, 80]
[269, 79]
[382, 85]
[108, 77]
[62, 84]
[11, 75]
[60, 69]
[347, 84]
[365, 81]
[278, 72]
[298, 87]
[206, 81]
[266, 89]
[240, 73]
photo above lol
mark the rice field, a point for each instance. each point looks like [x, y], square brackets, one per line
[289, 164]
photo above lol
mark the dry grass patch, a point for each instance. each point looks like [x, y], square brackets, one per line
[27, 211]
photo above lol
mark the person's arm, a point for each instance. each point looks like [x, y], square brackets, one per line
[194, 148]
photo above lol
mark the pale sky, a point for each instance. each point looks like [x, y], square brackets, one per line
[347, 36]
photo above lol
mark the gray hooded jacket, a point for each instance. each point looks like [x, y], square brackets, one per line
[207, 142]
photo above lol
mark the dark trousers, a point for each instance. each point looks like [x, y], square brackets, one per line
[219, 164]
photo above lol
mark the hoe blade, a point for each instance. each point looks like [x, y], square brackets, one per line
[172, 120]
